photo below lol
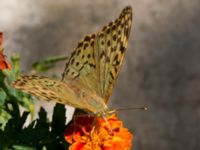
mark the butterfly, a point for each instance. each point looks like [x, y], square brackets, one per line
[3, 63]
[90, 72]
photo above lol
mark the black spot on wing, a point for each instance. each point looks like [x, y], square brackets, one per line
[92, 43]
[80, 44]
[108, 43]
[88, 56]
[110, 24]
[122, 48]
[114, 37]
[115, 69]
[119, 32]
[113, 27]
[78, 52]
[112, 76]
[92, 65]
[108, 31]
[72, 61]
[77, 64]
[93, 36]
[85, 46]
[102, 54]
[87, 38]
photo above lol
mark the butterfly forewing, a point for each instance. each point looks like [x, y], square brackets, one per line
[100, 56]
[119, 38]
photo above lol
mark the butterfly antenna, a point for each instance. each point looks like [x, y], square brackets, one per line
[132, 108]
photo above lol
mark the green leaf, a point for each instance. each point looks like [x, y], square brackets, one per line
[2, 77]
[15, 59]
[2, 96]
[46, 64]
[4, 117]
[19, 147]
[40, 133]
[58, 120]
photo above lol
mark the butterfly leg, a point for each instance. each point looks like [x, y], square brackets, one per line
[75, 124]
[107, 123]
[94, 127]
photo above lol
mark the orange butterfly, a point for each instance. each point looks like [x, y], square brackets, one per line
[3, 63]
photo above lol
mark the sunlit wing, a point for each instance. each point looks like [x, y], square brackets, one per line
[96, 61]
[60, 92]
[46, 88]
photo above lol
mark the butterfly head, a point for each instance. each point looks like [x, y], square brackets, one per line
[107, 112]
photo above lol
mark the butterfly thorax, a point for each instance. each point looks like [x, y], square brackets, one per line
[91, 102]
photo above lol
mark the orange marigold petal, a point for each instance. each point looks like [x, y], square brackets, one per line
[102, 137]
[1, 40]
[116, 143]
[69, 134]
[78, 137]
[125, 134]
[77, 146]
[3, 63]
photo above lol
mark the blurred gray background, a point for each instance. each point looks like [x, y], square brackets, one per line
[161, 68]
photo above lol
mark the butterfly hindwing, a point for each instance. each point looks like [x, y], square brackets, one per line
[81, 66]
[60, 92]
[46, 89]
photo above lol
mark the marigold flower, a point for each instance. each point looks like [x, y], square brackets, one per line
[86, 133]
[1, 40]
[3, 63]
